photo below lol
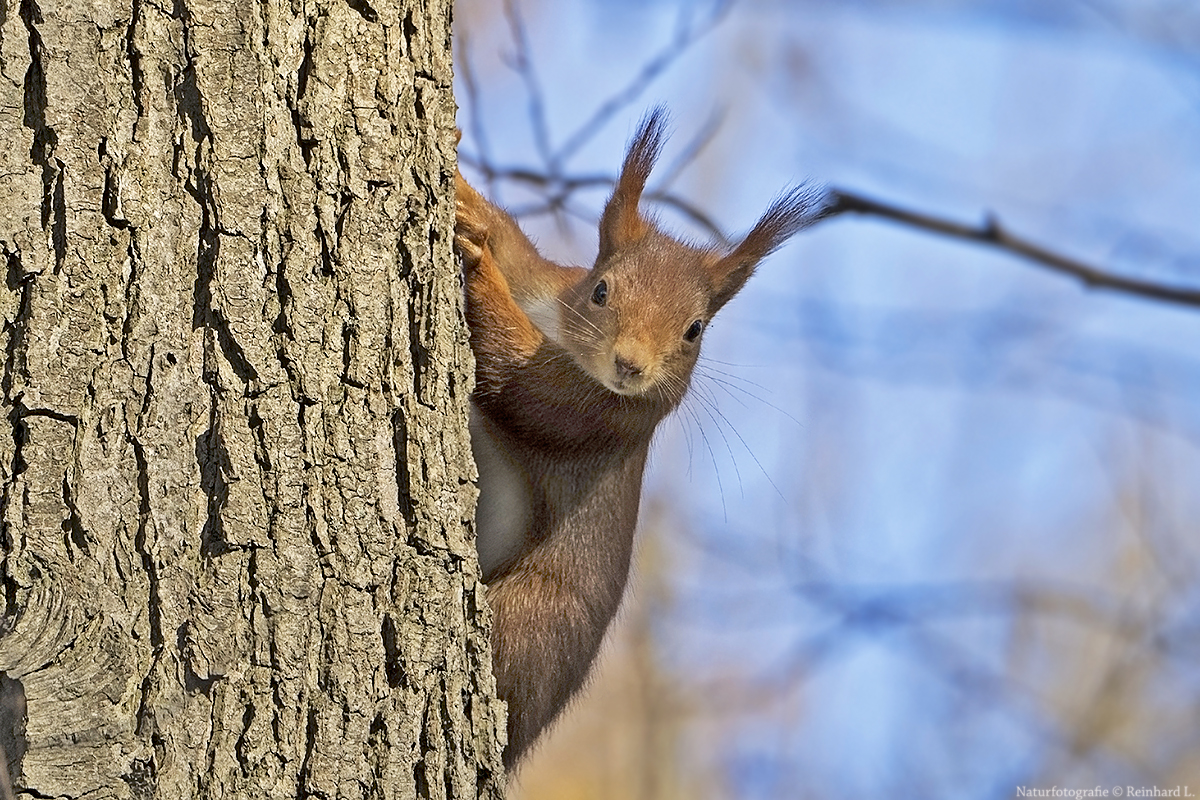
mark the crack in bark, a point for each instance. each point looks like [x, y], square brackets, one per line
[45, 139]
[310, 746]
[349, 335]
[188, 99]
[58, 230]
[304, 138]
[305, 70]
[13, 360]
[73, 524]
[242, 744]
[326, 250]
[416, 342]
[364, 9]
[145, 710]
[214, 463]
[136, 76]
[132, 295]
[199, 184]
[403, 475]
[204, 315]
[208, 241]
[22, 412]
[154, 598]
[110, 195]
[409, 29]
[392, 658]
[192, 681]
[15, 355]
[420, 778]
[262, 453]
[378, 746]
[284, 334]
[345, 200]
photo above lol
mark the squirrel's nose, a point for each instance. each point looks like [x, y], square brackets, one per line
[625, 368]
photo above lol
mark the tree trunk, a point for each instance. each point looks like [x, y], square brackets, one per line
[236, 483]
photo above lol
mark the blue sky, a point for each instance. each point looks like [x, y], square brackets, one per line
[915, 415]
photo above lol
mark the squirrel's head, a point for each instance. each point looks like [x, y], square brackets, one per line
[636, 321]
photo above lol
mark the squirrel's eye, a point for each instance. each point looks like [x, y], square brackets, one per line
[693, 332]
[600, 293]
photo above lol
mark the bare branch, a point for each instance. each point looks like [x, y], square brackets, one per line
[475, 110]
[522, 63]
[991, 233]
[536, 179]
[550, 180]
[691, 212]
[687, 33]
[558, 189]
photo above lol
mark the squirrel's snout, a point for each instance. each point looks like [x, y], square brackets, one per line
[626, 369]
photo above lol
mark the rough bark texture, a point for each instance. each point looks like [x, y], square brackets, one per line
[231, 311]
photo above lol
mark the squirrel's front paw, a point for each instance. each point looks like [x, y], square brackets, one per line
[471, 239]
[470, 226]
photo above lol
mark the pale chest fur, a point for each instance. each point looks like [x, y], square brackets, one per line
[505, 512]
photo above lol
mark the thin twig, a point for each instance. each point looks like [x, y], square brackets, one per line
[992, 233]
[533, 177]
[522, 62]
[687, 34]
[558, 189]
[475, 110]
[550, 181]
[698, 217]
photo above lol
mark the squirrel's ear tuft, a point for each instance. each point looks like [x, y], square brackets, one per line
[621, 223]
[792, 211]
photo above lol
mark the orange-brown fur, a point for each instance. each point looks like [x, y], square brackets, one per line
[572, 414]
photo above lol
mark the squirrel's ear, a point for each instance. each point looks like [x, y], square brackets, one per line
[621, 223]
[792, 211]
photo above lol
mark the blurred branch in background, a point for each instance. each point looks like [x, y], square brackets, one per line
[991, 233]
[553, 181]
[1089, 675]
[551, 178]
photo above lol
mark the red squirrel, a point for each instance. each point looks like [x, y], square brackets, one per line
[574, 369]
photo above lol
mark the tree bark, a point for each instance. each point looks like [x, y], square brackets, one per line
[236, 483]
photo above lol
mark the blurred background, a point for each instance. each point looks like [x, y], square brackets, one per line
[929, 522]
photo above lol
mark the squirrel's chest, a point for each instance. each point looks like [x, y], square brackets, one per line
[505, 509]
[545, 313]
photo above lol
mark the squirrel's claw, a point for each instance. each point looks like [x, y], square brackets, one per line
[470, 237]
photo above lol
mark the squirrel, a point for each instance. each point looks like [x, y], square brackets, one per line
[574, 369]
